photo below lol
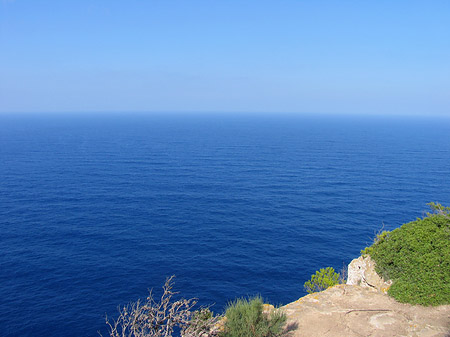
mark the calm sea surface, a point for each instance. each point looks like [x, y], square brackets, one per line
[95, 210]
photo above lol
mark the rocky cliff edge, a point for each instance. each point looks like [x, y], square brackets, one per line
[361, 308]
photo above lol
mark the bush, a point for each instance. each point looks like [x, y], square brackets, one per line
[163, 317]
[245, 318]
[416, 257]
[321, 280]
[381, 236]
[203, 324]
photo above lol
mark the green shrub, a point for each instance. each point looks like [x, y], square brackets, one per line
[416, 257]
[378, 239]
[321, 280]
[245, 318]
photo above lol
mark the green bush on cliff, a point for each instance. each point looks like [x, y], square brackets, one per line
[416, 257]
[167, 317]
[321, 280]
[378, 239]
[246, 318]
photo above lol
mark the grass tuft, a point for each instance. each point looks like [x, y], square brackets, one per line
[245, 318]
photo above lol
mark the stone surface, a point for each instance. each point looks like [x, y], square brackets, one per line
[350, 311]
[361, 271]
[268, 309]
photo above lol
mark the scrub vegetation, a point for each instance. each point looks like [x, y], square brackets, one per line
[321, 280]
[246, 318]
[416, 257]
[167, 316]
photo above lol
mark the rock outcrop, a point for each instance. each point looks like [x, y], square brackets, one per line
[361, 272]
[350, 311]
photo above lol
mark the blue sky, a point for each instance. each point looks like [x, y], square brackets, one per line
[364, 57]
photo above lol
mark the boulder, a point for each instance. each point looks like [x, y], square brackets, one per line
[361, 272]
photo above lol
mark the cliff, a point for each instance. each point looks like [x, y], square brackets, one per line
[354, 311]
[362, 308]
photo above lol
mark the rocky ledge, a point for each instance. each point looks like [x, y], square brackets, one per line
[362, 308]
[351, 310]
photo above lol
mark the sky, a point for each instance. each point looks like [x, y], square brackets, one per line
[357, 57]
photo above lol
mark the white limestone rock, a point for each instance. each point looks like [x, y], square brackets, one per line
[361, 271]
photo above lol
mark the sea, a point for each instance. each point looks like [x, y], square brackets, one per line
[97, 209]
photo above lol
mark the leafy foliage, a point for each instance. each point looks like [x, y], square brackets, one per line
[246, 318]
[437, 208]
[321, 280]
[416, 257]
[378, 239]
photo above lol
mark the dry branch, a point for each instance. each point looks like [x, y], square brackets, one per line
[160, 318]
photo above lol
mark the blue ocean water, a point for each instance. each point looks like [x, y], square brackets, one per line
[97, 209]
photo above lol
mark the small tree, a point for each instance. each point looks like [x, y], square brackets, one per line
[160, 318]
[323, 279]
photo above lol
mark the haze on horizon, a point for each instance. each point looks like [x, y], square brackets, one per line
[227, 56]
